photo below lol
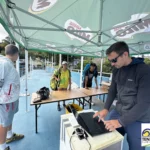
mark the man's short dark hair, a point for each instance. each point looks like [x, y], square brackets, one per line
[118, 47]
[11, 50]
[93, 64]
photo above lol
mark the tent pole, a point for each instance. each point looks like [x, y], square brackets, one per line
[100, 37]
[113, 37]
[117, 41]
[30, 66]
[26, 75]
[51, 29]
[101, 67]
[18, 61]
[100, 21]
[53, 24]
[60, 59]
[101, 70]
[67, 58]
[45, 62]
[52, 60]
[81, 71]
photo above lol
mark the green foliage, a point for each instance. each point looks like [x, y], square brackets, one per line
[84, 64]
[147, 61]
[2, 46]
[107, 66]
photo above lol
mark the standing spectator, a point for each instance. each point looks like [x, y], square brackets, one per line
[9, 96]
[63, 76]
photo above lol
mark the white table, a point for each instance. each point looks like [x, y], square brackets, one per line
[108, 141]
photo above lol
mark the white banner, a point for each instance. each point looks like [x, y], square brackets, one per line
[73, 25]
[139, 27]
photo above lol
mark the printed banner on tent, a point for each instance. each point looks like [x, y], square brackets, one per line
[139, 27]
[73, 25]
[147, 46]
[40, 6]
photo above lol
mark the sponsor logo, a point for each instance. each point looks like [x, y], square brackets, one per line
[98, 54]
[73, 25]
[139, 27]
[50, 46]
[40, 6]
[145, 134]
[146, 46]
[130, 80]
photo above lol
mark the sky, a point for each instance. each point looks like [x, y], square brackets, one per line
[3, 33]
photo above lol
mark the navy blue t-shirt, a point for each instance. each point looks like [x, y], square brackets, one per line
[90, 75]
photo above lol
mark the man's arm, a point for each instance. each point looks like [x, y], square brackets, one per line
[111, 93]
[55, 75]
[96, 79]
[10, 88]
[86, 78]
[96, 82]
[143, 102]
[86, 81]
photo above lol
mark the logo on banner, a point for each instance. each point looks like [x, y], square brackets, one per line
[78, 51]
[73, 25]
[145, 134]
[147, 46]
[50, 46]
[139, 27]
[40, 6]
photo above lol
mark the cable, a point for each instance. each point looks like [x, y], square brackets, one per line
[78, 134]
[70, 142]
[88, 143]
[85, 137]
[71, 138]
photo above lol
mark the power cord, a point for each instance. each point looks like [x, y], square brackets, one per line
[81, 134]
[71, 138]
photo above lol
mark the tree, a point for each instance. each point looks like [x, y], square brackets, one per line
[147, 61]
[84, 64]
[107, 66]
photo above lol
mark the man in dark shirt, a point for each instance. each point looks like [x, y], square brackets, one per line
[89, 74]
[131, 85]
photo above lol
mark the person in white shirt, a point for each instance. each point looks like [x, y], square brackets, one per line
[9, 95]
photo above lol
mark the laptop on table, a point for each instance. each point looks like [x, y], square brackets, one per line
[90, 124]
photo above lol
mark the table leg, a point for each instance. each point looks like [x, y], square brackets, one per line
[83, 102]
[73, 101]
[58, 107]
[103, 98]
[79, 101]
[90, 101]
[64, 104]
[36, 109]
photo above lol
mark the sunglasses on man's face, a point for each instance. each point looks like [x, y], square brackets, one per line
[115, 59]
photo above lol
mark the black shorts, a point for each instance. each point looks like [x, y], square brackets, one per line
[89, 84]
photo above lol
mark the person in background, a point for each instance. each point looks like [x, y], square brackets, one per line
[89, 72]
[131, 86]
[9, 95]
[88, 76]
[63, 76]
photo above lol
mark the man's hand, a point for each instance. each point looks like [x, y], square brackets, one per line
[58, 79]
[111, 125]
[101, 114]
[96, 87]
[86, 87]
